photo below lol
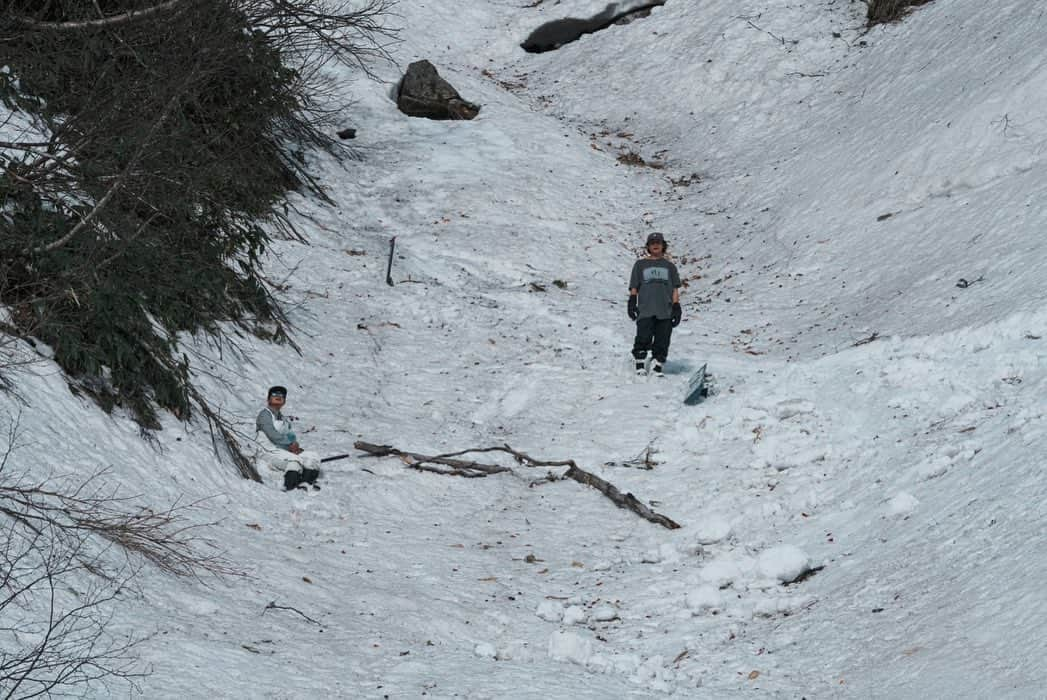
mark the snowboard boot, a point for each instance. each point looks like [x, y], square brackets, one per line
[309, 476]
[656, 369]
[641, 365]
[292, 480]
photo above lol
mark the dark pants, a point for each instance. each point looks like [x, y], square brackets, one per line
[653, 334]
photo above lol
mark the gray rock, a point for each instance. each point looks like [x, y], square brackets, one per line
[423, 93]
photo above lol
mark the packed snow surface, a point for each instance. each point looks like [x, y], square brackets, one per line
[858, 216]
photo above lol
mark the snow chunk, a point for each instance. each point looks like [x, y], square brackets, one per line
[604, 613]
[704, 598]
[784, 563]
[902, 505]
[550, 610]
[515, 650]
[574, 615]
[485, 650]
[568, 645]
[712, 529]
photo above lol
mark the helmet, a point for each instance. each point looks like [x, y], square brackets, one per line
[655, 238]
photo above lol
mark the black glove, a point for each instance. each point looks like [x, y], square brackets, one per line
[677, 314]
[634, 313]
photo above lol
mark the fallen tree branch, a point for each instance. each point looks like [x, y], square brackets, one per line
[466, 468]
[459, 467]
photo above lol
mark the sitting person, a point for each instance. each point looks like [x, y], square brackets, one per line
[300, 467]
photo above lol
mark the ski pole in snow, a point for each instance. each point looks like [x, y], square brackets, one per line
[335, 457]
[389, 269]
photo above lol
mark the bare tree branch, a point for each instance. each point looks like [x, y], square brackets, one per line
[60, 576]
[475, 469]
[414, 460]
[227, 435]
[131, 165]
[94, 23]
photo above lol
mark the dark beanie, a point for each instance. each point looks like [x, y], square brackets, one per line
[277, 391]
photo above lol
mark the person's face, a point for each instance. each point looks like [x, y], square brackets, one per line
[277, 402]
[655, 249]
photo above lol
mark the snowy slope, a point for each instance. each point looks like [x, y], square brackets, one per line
[909, 467]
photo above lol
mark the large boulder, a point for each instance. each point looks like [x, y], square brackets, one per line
[423, 93]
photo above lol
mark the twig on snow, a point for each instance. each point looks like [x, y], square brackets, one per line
[273, 606]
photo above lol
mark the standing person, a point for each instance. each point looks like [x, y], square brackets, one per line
[654, 303]
[300, 467]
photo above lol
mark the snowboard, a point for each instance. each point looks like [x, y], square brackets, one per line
[697, 388]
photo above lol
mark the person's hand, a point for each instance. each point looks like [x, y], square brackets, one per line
[634, 313]
[294, 448]
[677, 314]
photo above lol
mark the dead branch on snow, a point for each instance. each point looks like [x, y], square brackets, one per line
[472, 469]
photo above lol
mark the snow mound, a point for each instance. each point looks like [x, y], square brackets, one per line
[902, 505]
[784, 563]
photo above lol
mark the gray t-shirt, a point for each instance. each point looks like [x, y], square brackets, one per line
[655, 279]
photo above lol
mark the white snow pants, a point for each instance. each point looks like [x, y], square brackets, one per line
[279, 460]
